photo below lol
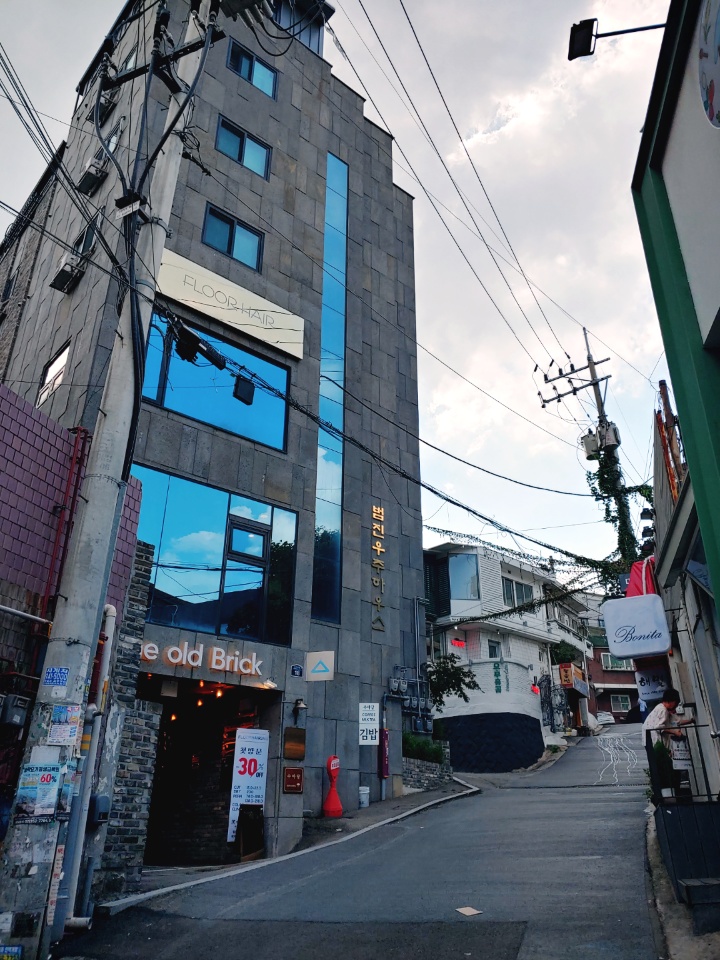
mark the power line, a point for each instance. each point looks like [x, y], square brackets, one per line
[477, 175]
[447, 453]
[459, 192]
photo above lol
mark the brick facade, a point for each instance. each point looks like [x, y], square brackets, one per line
[131, 739]
[424, 775]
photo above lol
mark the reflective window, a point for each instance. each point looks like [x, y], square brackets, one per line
[230, 236]
[463, 576]
[201, 391]
[327, 568]
[247, 65]
[243, 148]
[198, 582]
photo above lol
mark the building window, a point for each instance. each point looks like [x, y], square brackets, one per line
[53, 375]
[463, 569]
[247, 65]
[205, 393]
[619, 703]
[609, 662]
[327, 567]
[85, 242]
[223, 564]
[516, 593]
[494, 649]
[240, 146]
[231, 236]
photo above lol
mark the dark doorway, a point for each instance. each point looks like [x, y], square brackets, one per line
[193, 775]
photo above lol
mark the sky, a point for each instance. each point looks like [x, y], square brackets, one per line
[553, 146]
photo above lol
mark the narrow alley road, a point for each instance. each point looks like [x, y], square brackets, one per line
[553, 860]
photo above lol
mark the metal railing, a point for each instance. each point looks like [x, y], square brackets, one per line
[678, 772]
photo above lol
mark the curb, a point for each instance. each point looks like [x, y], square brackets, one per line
[113, 907]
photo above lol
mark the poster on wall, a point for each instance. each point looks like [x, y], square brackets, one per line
[37, 793]
[249, 773]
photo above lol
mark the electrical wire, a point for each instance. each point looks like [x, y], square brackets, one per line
[477, 175]
[447, 453]
[459, 192]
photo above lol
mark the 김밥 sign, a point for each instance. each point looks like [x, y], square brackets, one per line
[249, 773]
[636, 626]
[369, 733]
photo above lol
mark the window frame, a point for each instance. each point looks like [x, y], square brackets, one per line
[211, 209]
[619, 696]
[243, 135]
[49, 386]
[90, 230]
[253, 59]
[514, 584]
[610, 658]
[164, 378]
[494, 645]
[229, 557]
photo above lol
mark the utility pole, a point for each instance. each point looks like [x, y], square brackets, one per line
[602, 446]
[35, 852]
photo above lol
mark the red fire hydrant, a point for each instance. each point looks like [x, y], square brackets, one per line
[332, 806]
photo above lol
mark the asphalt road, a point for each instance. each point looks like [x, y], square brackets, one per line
[553, 860]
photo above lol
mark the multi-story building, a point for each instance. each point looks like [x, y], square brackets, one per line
[504, 724]
[273, 550]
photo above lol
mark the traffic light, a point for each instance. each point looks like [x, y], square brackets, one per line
[582, 39]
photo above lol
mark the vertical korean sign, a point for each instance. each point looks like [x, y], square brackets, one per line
[378, 566]
[249, 774]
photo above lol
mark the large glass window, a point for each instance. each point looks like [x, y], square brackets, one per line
[201, 391]
[464, 576]
[216, 569]
[327, 568]
[240, 146]
[247, 65]
[53, 375]
[230, 236]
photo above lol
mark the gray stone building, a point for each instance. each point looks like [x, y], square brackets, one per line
[265, 537]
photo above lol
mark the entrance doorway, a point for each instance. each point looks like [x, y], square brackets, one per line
[190, 802]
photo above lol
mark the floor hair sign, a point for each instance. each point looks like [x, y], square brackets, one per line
[636, 626]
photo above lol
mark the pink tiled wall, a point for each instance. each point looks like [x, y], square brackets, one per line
[35, 455]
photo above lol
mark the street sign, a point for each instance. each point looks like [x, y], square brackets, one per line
[320, 666]
[369, 730]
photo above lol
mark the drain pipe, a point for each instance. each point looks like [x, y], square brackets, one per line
[78, 826]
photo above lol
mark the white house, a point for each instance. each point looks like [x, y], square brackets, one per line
[501, 727]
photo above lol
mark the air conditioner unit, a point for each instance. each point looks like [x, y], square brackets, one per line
[93, 175]
[108, 102]
[69, 273]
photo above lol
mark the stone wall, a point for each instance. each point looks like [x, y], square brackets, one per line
[424, 775]
[127, 765]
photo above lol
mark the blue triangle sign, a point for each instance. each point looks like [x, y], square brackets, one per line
[320, 667]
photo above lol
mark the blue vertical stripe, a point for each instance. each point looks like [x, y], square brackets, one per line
[327, 567]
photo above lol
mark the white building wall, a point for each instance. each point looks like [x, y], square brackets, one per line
[514, 695]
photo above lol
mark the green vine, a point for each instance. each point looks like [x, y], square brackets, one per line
[607, 488]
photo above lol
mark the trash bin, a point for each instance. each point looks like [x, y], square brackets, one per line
[364, 797]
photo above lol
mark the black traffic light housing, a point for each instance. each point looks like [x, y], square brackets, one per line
[582, 39]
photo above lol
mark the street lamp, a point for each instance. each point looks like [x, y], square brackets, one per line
[583, 37]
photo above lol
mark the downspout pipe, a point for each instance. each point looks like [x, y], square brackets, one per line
[77, 828]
